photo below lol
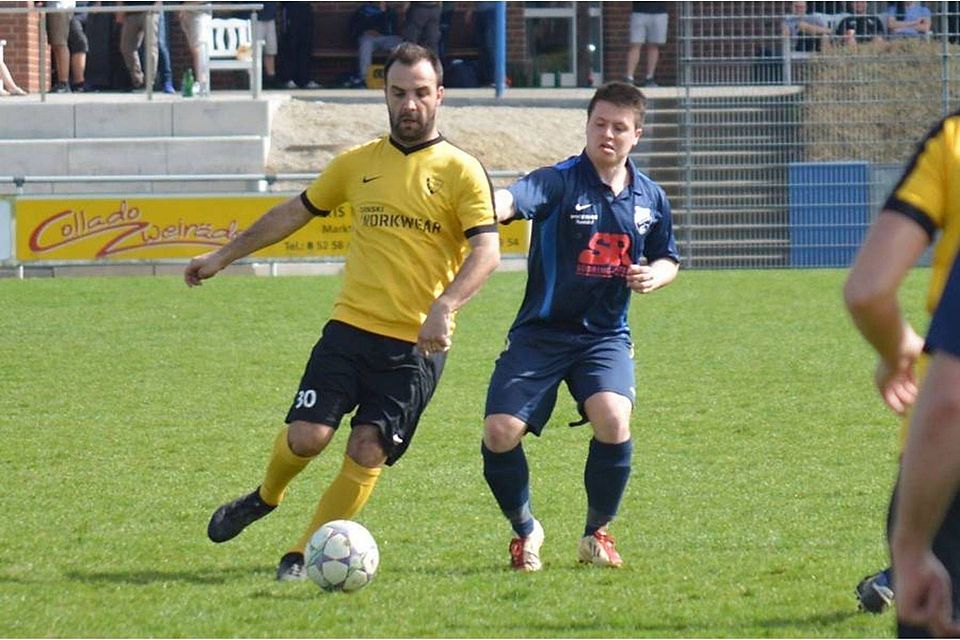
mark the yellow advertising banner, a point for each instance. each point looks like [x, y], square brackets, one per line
[171, 227]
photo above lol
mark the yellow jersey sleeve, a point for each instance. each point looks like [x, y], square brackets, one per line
[474, 201]
[927, 195]
[327, 191]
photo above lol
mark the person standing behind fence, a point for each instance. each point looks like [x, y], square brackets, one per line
[296, 45]
[482, 16]
[648, 25]
[265, 29]
[421, 24]
[195, 23]
[132, 35]
[923, 206]
[79, 46]
[908, 20]
[58, 35]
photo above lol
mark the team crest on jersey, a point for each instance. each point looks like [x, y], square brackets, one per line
[434, 184]
[642, 218]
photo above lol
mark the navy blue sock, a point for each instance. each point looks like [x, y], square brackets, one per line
[605, 478]
[508, 476]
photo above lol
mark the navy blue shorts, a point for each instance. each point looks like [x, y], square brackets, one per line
[385, 379]
[528, 373]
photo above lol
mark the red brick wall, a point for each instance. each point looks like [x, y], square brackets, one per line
[21, 54]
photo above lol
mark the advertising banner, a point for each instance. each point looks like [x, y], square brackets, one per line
[177, 227]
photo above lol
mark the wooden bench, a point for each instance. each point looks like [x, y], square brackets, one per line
[230, 47]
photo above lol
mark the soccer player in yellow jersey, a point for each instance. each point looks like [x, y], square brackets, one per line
[922, 205]
[424, 242]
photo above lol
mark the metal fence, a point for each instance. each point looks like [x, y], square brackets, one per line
[779, 156]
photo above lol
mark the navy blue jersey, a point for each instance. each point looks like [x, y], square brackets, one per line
[583, 239]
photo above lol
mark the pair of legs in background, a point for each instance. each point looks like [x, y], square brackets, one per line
[389, 384]
[523, 391]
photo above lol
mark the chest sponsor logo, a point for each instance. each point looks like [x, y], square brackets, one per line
[642, 218]
[376, 216]
[583, 213]
[607, 256]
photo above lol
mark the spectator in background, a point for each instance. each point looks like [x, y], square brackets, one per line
[421, 24]
[483, 18]
[908, 20]
[194, 24]
[861, 26]
[134, 25]
[78, 46]
[373, 26]
[164, 79]
[807, 32]
[297, 45]
[58, 32]
[648, 24]
[7, 86]
[265, 28]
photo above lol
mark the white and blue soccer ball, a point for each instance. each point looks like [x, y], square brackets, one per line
[342, 556]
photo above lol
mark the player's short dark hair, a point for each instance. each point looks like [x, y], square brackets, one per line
[410, 53]
[621, 94]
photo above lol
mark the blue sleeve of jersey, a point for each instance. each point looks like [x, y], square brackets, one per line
[660, 242]
[536, 195]
[944, 332]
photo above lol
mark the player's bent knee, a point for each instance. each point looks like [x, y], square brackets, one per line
[502, 432]
[365, 447]
[307, 439]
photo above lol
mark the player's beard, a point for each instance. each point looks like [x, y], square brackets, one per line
[406, 131]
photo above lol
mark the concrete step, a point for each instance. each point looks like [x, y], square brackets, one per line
[134, 156]
[134, 119]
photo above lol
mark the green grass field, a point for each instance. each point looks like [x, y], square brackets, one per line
[131, 407]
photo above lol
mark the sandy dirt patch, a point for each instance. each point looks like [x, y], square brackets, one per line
[305, 135]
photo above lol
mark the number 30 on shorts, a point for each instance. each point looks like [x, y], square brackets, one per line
[306, 398]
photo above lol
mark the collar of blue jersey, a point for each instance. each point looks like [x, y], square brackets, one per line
[417, 147]
[594, 177]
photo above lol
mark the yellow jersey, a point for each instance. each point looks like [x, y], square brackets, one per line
[928, 194]
[413, 210]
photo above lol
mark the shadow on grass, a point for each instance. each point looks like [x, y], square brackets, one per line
[199, 576]
[803, 625]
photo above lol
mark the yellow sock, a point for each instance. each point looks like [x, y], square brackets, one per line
[344, 498]
[283, 467]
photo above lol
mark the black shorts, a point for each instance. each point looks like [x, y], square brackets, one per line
[385, 379]
[77, 38]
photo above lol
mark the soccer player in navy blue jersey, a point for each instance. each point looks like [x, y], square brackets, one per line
[601, 231]
[926, 520]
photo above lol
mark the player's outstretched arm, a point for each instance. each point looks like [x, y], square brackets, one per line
[504, 205]
[273, 226]
[893, 245]
[484, 257]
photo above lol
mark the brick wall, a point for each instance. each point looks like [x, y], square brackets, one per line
[21, 55]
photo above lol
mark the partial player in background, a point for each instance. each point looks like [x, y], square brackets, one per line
[921, 205]
[601, 231]
[926, 525]
[420, 205]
